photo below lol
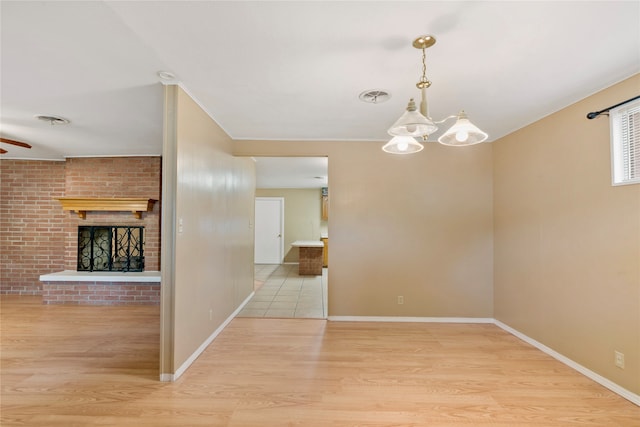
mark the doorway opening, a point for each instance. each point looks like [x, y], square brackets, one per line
[301, 183]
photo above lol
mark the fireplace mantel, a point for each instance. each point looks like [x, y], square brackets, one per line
[128, 204]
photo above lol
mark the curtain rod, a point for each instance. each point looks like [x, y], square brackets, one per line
[595, 114]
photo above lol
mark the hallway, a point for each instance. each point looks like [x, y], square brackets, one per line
[282, 293]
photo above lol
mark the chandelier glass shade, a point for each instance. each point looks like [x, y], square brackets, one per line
[402, 145]
[462, 133]
[417, 124]
[412, 123]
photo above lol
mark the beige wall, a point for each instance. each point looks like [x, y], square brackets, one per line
[567, 243]
[214, 200]
[418, 226]
[302, 211]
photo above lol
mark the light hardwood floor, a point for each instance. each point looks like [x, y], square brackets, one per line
[97, 366]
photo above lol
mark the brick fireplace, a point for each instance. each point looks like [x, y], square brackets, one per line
[37, 237]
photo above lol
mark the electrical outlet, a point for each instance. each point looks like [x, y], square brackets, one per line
[619, 359]
[210, 314]
[400, 299]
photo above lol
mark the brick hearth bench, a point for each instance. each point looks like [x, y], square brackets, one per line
[101, 288]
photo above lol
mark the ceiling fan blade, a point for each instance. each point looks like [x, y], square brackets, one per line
[2, 151]
[12, 142]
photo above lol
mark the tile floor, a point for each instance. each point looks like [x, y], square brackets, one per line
[281, 292]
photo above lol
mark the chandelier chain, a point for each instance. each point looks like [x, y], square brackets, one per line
[423, 83]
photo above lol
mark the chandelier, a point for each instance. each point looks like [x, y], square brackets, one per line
[418, 124]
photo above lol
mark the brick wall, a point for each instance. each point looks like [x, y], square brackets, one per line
[38, 237]
[114, 177]
[32, 223]
[101, 293]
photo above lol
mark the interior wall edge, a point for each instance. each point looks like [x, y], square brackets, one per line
[168, 215]
[182, 369]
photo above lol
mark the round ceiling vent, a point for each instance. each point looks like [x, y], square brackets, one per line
[374, 96]
[166, 75]
[53, 120]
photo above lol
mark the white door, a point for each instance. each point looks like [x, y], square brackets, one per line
[269, 227]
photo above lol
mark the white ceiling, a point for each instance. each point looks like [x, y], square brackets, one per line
[291, 172]
[293, 70]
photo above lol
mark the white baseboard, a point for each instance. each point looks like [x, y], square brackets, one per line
[205, 344]
[167, 378]
[410, 319]
[632, 397]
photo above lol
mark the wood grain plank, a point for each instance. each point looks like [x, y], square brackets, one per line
[98, 366]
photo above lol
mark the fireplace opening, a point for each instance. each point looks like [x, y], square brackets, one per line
[110, 248]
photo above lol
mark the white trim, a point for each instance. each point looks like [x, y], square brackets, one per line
[411, 319]
[186, 90]
[86, 156]
[630, 396]
[205, 344]
[167, 378]
[308, 244]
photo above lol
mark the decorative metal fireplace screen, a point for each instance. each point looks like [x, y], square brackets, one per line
[110, 248]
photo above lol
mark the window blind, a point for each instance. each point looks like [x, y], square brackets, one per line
[625, 143]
